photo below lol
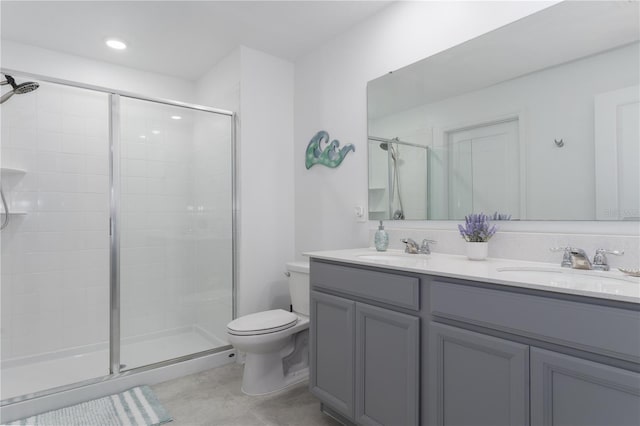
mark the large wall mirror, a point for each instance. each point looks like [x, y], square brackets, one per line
[537, 120]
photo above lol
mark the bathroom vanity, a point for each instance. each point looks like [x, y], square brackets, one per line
[440, 340]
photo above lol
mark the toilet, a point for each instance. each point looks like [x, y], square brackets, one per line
[276, 342]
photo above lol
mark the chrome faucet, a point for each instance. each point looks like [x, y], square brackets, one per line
[573, 257]
[413, 247]
[577, 258]
[600, 259]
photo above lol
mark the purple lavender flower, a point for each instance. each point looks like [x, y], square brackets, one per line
[476, 228]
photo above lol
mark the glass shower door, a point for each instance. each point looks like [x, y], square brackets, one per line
[175, 231]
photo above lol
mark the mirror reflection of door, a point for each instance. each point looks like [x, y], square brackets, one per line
[483, 170]
[617, 153]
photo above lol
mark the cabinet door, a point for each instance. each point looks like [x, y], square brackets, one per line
[477, 379]
[331, 346]
[566, 390]
[387, 369]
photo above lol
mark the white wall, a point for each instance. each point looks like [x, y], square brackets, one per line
[260, 88]
[331, 95]
[220, 86]
[265, 181]
[49, 63]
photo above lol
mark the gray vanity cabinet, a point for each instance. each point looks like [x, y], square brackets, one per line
[474, 353]
[483, 379]
[566, 390]
[387, 368]
[332, 351]
[365, 358]
[477, 379]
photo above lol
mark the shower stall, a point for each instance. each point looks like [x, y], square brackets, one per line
[119, 252]
[398, 179]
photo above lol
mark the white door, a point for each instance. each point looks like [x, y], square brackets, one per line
[484, 171]
[617, 152]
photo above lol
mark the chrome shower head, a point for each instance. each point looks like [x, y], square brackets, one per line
[17, 89]
[386, 146]
[25, 87]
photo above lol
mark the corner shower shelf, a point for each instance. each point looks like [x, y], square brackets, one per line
[12, 172]
[6, 172]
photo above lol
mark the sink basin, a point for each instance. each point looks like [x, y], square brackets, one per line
[566, 272]
[602, 281]
[381, 256]
[403, 259]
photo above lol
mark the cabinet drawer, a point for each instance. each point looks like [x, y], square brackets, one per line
[581, 325]
[394, 289]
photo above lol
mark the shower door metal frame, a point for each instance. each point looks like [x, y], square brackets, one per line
[114, 231]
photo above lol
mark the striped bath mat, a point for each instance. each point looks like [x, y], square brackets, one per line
[135, 407]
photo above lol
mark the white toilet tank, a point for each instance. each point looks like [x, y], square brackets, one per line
[299, 286]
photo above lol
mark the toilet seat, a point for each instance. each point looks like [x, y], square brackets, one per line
[262, 323]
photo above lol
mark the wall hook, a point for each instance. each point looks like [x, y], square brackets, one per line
[559, 143]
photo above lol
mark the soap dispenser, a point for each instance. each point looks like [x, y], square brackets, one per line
[381, 239]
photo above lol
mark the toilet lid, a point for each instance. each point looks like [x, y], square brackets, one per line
[262, 322]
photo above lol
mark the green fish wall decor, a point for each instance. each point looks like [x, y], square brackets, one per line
[330, 155]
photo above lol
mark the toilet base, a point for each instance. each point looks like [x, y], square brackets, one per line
[275, 360]
[264, 374]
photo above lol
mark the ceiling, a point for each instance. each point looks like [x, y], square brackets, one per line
[180, 38]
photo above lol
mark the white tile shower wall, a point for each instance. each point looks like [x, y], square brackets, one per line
[156, 275]
[55, 258]
[220, 86]
[176, 216]
[212, 222]
[48, 152]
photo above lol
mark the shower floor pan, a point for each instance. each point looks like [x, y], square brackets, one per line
[23, 377]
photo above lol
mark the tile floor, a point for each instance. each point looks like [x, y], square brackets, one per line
[213, 397]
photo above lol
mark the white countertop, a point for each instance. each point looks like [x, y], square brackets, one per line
[612, 285]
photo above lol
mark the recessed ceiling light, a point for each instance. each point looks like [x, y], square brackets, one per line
[155, 132]
[116, 44]
[176, 117]
[143, 137]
